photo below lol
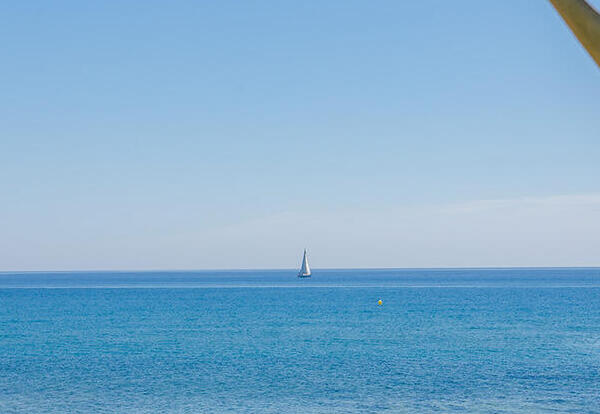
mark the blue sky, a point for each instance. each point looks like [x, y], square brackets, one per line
[232, 135]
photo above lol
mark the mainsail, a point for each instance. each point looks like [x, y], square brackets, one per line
[305, 268]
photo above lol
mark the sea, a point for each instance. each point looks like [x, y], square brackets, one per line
[263, 341]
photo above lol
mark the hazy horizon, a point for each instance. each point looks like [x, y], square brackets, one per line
[463, 236]
[294, 269]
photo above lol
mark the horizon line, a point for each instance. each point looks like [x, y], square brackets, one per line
[294, 269]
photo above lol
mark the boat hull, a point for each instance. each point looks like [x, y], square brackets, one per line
[304, 276]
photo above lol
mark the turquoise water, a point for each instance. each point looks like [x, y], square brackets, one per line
[445, 341]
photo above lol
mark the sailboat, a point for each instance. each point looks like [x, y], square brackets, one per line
[304, 269]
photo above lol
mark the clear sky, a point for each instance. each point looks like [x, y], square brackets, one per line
[216, 134]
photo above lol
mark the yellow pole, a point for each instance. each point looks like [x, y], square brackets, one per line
[584, 21]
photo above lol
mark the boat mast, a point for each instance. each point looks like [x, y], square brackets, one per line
[304, 268]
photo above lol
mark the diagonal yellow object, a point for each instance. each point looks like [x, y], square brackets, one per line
[584, 21]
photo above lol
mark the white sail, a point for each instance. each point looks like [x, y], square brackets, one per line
[305, 268]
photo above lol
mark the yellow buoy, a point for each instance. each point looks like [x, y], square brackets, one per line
[380, 302]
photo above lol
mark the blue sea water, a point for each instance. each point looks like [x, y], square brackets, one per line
[444, 341]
